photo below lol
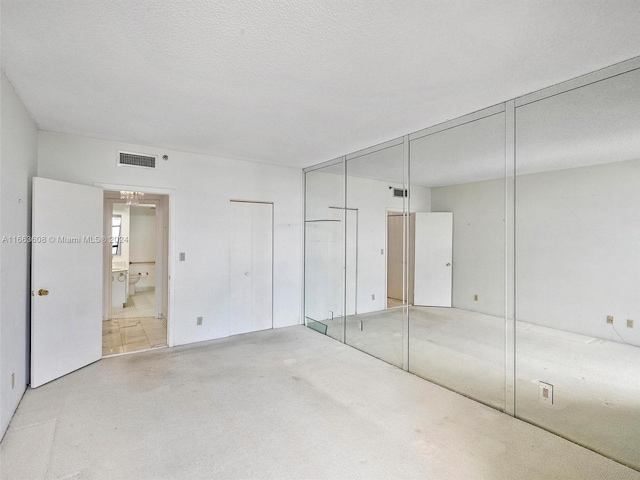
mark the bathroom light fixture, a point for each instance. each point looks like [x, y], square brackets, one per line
[133, 198]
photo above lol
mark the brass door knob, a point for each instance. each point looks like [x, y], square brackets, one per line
[448, 264]
[42, 292]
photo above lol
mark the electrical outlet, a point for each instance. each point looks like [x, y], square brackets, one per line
[629, 323]
[182, 257]
[382, 251]
[13, 380]
[373, 296]
[610, 319]
[545, 393]
[475, 298]
[199, 321]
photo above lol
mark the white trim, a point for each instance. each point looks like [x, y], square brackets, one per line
[375, 148]
[456, 122]
[581, 81]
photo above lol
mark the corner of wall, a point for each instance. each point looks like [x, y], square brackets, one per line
[18, 165]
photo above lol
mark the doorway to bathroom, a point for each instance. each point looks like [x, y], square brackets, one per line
[136, 277]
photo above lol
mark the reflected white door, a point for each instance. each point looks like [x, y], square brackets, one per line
[66, 278]
[251, 267]
[433, 259]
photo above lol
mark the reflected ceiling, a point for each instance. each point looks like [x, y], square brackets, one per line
[599, 123]
[595, 124]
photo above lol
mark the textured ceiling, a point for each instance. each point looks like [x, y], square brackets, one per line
[293, 82]
[595, 124]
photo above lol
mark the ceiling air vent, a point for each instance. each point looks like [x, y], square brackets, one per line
[136, 160]
[399, 192]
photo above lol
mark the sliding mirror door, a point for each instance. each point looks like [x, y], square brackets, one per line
[457, 323]
[375, 251]
[324, 300]
[578, 265]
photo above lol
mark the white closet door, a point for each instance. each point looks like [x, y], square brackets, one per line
[66, 278]
[251, 267]
[433, 258]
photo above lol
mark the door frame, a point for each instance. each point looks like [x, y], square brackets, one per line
[273, 247]
[410, 261]
[168, 254]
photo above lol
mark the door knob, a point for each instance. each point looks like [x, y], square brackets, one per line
[42, 292]
[448, 264]
[246, 274]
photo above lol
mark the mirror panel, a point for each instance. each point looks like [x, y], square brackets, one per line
[324, 251]
[537, 205]
[457, 320]
[375, 252]
[578, 263]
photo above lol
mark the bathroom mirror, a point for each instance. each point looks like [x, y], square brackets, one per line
[578, 265]
[457, 317]
[116, 233]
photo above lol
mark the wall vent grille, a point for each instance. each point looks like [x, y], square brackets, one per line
[136, 160]
[399, 192]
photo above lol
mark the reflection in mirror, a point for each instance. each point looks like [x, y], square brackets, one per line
[116, 229]
[457, 321]
[578, 265]
[324, 250]
[376, 202]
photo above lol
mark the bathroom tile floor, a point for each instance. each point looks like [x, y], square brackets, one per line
[142, 304]
[121, 335]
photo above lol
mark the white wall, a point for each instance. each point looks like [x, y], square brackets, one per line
[577, 248]
[142, 246]
[478, 243]
[18, 155]
[203, 186]
[142, 234]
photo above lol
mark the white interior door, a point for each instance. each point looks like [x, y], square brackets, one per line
[433, 259]
[251, 267]
[66, 278]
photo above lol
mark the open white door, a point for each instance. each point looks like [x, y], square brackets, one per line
[66, 278]
[433, 258]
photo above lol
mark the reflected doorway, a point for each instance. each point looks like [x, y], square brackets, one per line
[396, 295]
